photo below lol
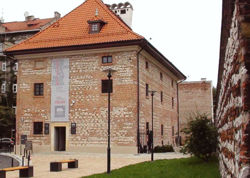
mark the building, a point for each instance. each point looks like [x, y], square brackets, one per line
[62, 86]
[233, 90]
[195, 97]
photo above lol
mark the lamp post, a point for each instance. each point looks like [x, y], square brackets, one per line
[110, 71]
[152, 148]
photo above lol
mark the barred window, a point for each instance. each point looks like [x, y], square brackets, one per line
[38, 127]
[38, 89]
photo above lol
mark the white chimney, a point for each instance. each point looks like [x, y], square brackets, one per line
[124, 11]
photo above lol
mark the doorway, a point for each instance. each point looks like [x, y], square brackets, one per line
[60, 138]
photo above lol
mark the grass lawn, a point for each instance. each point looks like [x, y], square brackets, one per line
[174, 168]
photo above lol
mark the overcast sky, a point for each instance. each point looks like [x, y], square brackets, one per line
[187, 32]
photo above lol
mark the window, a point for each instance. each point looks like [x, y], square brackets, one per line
[106, 85]
[172, 102]
[123, 11]
[1, 47]
[14, 88]
[146, 65]
[106, 59]
[161, 129]
[4, 66]
[146, 89]
[172, 83]
[161, 76]
[94, 28]
[38, 89]
[172, 130]
[3, 87]
[161, 96]
[38, 128]
[15, 68]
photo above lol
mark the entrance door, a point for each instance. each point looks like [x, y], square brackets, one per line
[60, 138]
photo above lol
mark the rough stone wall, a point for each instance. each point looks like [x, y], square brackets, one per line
[164, 113]
[233, 97]
[194, 97]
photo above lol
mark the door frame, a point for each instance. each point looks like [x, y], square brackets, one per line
[52, 131]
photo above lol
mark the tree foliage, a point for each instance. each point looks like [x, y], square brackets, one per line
[201, 137]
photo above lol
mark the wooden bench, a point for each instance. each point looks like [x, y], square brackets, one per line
[24, 171]
[57, 165]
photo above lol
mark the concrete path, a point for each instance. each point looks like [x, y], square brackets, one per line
[89, 163]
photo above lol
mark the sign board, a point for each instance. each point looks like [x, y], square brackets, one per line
[23, 139]
[46, 128]
[73, 128]
[60, 90]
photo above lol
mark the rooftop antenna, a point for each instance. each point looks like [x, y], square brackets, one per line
[96, 12]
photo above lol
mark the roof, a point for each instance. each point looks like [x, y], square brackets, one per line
[25, 25]
[73, 29]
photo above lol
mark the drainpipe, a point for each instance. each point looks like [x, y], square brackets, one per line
[178, 114]
[138, 100]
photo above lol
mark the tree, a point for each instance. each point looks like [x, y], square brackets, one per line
[201, 137]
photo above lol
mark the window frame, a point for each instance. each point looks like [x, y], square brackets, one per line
[162, 129]
[40, 91]
[3, 87]
[172, 102]
[4, 66]
[161, 76]
[14, 88]
[147, 90]
[146, 64]
[161, 96]
[37, 125]
[109, 59]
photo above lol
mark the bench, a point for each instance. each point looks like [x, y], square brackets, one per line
[57, 165]
[24, 171]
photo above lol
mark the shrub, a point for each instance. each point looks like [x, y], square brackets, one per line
[201, 138]
[163, 149]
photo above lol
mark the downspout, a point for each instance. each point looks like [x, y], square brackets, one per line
[178, 114]
[138, 99]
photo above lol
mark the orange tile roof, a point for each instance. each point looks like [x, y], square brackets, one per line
[73, 29]
[25, 25]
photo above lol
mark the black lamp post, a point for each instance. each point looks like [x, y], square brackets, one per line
[152, 148]
[109, 91]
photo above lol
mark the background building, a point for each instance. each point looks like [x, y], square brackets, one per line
[62, 99]
[233, 90]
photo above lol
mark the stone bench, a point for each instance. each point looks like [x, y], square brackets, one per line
[57, 165]
[24, 171]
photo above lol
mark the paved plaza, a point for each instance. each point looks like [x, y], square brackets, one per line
[89, 163]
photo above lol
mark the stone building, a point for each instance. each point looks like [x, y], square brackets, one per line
[62, 99]
[195, 97]
[233, 90]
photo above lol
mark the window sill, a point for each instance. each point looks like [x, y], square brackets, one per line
[107, 64]
[38, 96]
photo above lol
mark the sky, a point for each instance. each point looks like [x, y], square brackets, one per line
[186, 32]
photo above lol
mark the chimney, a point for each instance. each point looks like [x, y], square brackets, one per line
[29, 18]
[57, 15]
[203, 79]
[124, 11]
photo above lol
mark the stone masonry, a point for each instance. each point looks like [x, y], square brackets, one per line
[233, 90]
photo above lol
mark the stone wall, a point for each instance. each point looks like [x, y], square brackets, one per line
[233, 96]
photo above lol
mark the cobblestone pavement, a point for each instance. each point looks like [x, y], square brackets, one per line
[89, 163]
[6, 161]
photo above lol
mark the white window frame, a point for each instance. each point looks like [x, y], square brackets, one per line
[15, 68]
[3, 87]
[4, 66]
[14, 88]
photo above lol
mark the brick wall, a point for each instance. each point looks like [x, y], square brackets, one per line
[233, 97]
[88, 105]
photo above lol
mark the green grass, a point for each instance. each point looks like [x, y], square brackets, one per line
[175, 168]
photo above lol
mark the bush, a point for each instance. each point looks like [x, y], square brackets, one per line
[201, 138]
[163, 149]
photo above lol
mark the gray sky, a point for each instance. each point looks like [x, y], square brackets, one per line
[187, 32]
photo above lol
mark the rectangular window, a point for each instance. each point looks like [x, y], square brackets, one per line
[147, 128]
[123, 11]
[172, 130]
[15, 68]
[107, 85]
[4, 66]
[3, 87]
[38, 89]
[146, 65]
[38, 127]
[161, 129]
[161, 96]
[161, 76]
[106, 59]
[94, 28]
[173, 102]
[146, 89]
[172, 83]
[14, 88]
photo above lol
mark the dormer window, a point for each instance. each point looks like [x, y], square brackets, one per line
[95, 26]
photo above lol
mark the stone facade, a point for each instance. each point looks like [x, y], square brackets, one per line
[88, 105]
[194, 97]
[233, 91]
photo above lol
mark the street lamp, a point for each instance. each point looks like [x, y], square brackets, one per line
[152, 148]
[109, 71]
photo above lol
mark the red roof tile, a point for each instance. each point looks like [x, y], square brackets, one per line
[25, 25]
[73, 29]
